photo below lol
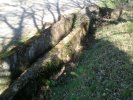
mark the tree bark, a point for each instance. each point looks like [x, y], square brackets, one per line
[50, 62]
[20, 58]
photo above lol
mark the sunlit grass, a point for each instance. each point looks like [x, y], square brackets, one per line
[107, 3]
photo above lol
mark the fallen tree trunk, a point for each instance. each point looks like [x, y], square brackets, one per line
[16, 61]
[22, 56]
[50, 62]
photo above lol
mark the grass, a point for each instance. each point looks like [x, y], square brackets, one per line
[107, 3]
[104, 71]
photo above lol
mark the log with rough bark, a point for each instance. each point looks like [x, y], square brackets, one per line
[22, 56]
[50, 62]
[13, 63]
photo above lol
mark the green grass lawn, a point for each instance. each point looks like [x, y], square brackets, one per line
[104, 71]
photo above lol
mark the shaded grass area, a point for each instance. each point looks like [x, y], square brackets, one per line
[104, 71]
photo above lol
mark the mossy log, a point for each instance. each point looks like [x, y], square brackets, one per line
[50, 62]
[22, 56]
[16, 61]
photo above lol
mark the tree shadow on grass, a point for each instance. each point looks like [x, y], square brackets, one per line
[103, 71]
